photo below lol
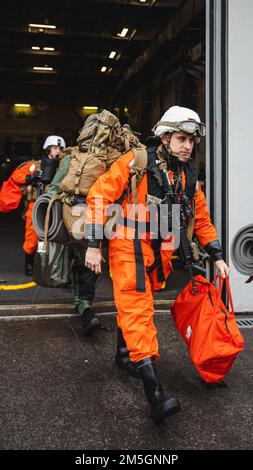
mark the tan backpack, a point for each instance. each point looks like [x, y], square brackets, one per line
[74, 216]
[101, 141]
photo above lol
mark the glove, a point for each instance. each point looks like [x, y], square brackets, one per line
[35, 177]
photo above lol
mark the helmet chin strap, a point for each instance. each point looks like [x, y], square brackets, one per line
[170, 151]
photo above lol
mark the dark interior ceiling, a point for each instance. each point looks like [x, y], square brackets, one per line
[86, 32]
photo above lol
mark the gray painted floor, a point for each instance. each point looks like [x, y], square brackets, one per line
[60, 390]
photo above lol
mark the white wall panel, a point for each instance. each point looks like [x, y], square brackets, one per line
[240, 138]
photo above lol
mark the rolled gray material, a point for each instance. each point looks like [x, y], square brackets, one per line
[242, 250]
[56, 229]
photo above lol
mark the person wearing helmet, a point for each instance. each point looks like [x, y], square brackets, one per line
[179, 129]
[33, 176]
[140, 265]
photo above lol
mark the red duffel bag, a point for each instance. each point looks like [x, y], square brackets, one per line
[208, 328]
[10, 196]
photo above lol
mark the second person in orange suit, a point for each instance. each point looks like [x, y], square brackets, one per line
[29, 176]
[29, 196]
[132, 259]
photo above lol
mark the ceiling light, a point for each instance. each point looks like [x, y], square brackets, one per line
[43, 68]
[112, 54]
[35, 48]
[123, 33]
[22, 105]
[143, 1]
[103, 69]
[44, 26]
[48, 49]
[90, 108]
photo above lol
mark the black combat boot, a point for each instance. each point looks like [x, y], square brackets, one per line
[161, 407]
[122, 357]
[90, 322]
[28, 264]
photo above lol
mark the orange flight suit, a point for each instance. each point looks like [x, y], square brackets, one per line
[18, 176]
[136, 309]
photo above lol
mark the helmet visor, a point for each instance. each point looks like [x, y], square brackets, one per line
[192, 127]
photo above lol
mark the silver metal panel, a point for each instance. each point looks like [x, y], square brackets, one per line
[229, 110]
[213, 99]
[240, 130]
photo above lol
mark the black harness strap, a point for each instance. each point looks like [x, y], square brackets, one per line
[156, 244]
[155, 187]
[139, 261]
[143, 227]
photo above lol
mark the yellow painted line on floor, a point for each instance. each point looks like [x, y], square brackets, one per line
[19, 286]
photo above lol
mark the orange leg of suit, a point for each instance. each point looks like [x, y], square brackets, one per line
[135, 309]
[31, 239]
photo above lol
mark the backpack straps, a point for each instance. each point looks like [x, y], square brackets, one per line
[136, 173]
[78, 174]
[138, 169]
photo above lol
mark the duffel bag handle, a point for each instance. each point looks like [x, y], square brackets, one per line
[229, 294]
[221, 282]
[215, 279]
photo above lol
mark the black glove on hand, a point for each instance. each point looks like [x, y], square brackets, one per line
[34, 178]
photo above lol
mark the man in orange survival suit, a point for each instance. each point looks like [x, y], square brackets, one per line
[29, 175]
[176, 133]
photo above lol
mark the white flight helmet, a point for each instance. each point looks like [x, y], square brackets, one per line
[182, 119]
[54, 140]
